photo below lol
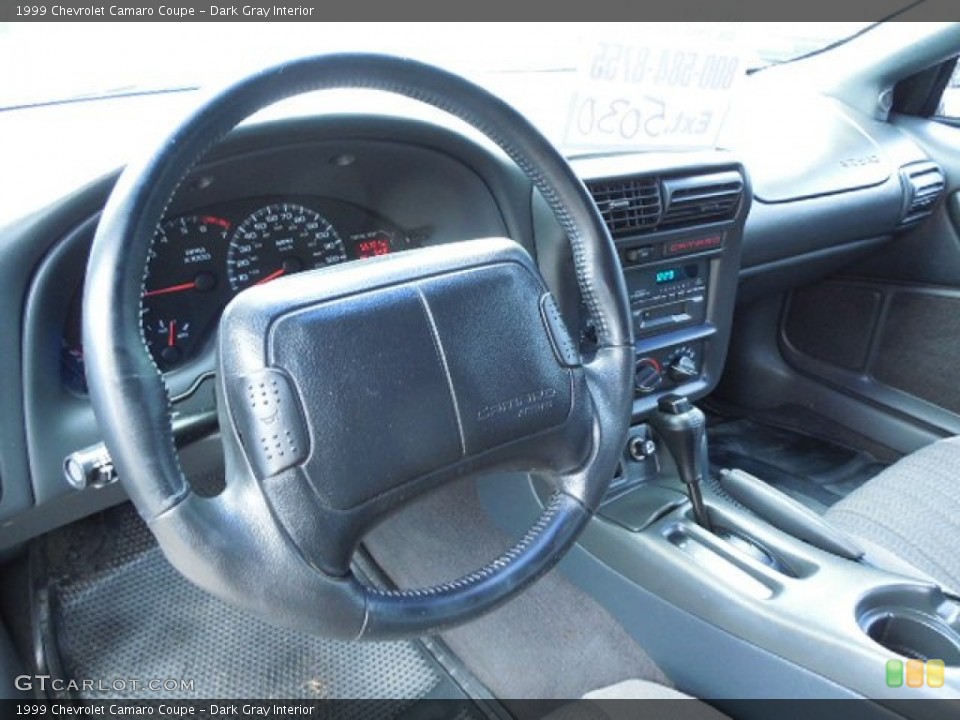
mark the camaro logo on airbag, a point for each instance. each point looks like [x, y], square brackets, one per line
[521, 406]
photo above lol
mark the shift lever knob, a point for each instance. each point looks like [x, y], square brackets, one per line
[683, 429]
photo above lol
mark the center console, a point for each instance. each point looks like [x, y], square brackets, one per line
[733, 588]
[678, 226]
[733, 605]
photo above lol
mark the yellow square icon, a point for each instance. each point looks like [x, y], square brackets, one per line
[914, 673]
[935, 672]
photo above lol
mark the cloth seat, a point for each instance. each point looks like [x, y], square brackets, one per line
[908, 516]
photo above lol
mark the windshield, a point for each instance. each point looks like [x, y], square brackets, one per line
[63, 61]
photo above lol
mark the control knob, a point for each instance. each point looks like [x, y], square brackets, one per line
[648, 375]
[682, 366]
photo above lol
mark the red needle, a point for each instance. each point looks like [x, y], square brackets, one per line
[271, 276]
[172, 289]
[171, 333]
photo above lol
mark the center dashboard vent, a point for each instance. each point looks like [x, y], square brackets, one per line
[701, 199]
[640, 205]
[924, 184]
[629, 206]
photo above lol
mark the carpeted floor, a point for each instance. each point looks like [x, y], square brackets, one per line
[553, 641]
[813, 469]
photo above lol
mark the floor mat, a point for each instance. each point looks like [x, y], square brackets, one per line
[812, 470]
[117, 609]
[552, 641]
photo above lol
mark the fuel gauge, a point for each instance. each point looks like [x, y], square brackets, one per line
[167, 339]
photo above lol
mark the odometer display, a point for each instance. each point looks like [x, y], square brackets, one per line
[373, 247]
[280, 240]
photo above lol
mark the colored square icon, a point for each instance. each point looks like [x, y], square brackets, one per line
[914, 673]
[935, 673]
[894, 673]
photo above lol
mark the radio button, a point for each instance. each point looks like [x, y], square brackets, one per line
[639, 255]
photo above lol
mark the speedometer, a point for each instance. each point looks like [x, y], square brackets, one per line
[281, 240]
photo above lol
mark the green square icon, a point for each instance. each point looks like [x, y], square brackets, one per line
[894, 673]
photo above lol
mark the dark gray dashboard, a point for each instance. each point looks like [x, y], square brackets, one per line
[828, 185]
[809, 216]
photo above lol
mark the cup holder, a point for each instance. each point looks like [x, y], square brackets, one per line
[914, 621]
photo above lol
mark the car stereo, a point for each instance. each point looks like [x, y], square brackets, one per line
[677, 221]
[667, 296]
[669, 281]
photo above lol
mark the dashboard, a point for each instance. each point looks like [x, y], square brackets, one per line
[696, 232]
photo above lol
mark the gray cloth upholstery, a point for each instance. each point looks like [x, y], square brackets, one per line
[609, 703]
[551, 642]
[910, 511]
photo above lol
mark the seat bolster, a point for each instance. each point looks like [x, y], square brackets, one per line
[908, 517]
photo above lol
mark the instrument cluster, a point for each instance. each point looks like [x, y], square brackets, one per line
[199, 261]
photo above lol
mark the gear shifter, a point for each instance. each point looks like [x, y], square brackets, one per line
[683, 429]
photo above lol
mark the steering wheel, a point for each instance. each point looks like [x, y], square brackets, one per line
[346, 392]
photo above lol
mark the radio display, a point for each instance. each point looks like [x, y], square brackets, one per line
[671, 275]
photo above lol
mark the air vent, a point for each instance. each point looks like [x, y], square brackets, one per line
[629, 206]
[923, 185]
[701, 199]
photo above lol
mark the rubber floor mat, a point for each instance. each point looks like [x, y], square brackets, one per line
[119, 610]
[812, 470]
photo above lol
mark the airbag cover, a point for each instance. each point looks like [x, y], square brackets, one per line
[413, 376]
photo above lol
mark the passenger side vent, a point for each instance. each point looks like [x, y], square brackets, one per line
[701, 199]
[629, 206]
[923, 186]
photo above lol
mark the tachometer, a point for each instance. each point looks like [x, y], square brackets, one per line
[281, 240]
[185, 264]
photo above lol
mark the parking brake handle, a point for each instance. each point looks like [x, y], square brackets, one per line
[787, 514]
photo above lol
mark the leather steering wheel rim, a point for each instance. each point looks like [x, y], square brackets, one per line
[233, 545]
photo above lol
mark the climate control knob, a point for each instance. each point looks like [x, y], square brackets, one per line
[649, 375]
[682, 369]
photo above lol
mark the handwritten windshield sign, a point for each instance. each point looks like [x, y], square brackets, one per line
[655, 92]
